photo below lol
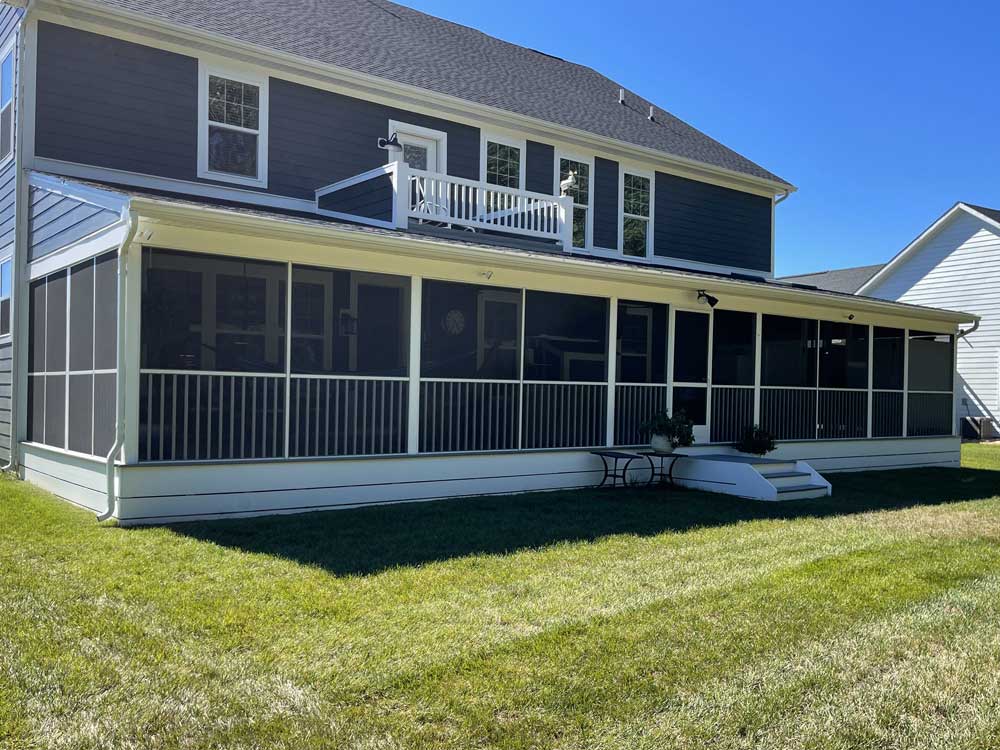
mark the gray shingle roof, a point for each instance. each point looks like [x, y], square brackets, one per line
[845, 280]
[990, 213]
[394, 42]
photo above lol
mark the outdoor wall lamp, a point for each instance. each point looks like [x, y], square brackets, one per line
[707, 299]
[390, 144]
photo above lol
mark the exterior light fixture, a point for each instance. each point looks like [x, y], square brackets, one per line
[390, 144]
[707, 299]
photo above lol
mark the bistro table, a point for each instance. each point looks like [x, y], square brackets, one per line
[611, 470]
[657, 471]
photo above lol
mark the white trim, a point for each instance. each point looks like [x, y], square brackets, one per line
[95, 244]
[650, 175]
[439, 136]
[517, 142]
[589, 161]
[106, 199]
[242, 75]
[144, 29]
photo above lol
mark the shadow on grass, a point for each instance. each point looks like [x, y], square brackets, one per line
[369, 540]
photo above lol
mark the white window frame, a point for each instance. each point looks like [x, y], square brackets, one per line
[9, 49]
[10, 295]
[418, 131]
[243, 75]
[651, 176]
[589, 161]
[504, 140]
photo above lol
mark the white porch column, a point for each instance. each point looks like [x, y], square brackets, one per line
[871, 372]
[288, 360]
[413, 399]
[906, 382]
[612, 367]
[758, 347]
[131, 379]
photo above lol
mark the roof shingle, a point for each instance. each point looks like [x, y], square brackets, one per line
[845, 280]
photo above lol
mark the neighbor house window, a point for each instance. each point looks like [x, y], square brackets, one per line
[503, 164]
[233, 145]
[636, 213]
[5, 290]
[579, 191]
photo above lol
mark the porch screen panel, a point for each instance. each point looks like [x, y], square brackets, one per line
[67, 312]
[565, 369]
[470, 350]
[888, 358]
[691, 355]
[930, 381]
[788, 399]
[734, 337]
[350, 360]
[843, 381]
[640, 367]
[212, 354]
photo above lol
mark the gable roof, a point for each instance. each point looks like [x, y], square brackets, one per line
[393, 42]
[989, 215]
[845, 280]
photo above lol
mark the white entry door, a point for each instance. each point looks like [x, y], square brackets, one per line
[419, 152]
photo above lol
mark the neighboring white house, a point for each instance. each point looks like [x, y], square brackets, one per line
[954, 264]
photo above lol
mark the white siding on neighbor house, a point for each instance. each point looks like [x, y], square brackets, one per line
[958, 268]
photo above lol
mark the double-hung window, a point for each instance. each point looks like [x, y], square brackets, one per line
[579, 190]
[7, 105]
[232, 144]
[637, 205]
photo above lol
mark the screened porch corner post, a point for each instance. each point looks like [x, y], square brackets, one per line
[131, 378]
[610, 437]
[906, 382]
[871, 382]
[413, 383]
[758, 345]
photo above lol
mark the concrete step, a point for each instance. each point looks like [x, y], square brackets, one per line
[801, 491]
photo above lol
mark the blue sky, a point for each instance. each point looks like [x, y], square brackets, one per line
[882, 113]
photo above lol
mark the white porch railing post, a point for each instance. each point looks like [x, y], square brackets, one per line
[401, 185]
[612, 366]
[131, 379]
[871, 373]
[413, 399]
[566, 221]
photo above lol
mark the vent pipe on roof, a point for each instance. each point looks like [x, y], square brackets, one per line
[651, 118]
[621, 96]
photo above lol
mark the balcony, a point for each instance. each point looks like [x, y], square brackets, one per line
[398, 196]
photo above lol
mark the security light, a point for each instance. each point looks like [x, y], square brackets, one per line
[390, 144]
[707, 299]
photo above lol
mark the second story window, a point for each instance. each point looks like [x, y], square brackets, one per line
[636, 213]
[503, 164]
[7, 105]
[5, 292]
[233, 137]
[575, 176]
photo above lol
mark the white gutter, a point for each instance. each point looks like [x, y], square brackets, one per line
[132, 225]
[782, 197]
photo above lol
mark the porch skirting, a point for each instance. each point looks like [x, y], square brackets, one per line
[161, 493]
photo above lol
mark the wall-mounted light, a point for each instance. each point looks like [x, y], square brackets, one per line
[486, 274]
[851, 316]
[390, 144]
[705, 298]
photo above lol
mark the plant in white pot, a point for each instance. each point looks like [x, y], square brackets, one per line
[668, 432]
[756, 441]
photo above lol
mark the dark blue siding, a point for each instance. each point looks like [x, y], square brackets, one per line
[115, 104]
[539, 167]
[318, 137]
[371, 199]
[605, 203]
[696, 221]
[55, 221]
[143, 117]
[8, 200]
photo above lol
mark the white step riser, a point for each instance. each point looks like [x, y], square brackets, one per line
[789, 481]
[765, 469]
[803, 495]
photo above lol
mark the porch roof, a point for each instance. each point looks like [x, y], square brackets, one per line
[208, 212]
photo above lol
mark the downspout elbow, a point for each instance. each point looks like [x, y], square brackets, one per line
[112, 500]
[962, 334]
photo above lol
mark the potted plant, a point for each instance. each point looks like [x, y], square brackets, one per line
[668, 432]
[756, 441]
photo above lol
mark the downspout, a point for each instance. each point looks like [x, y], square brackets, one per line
[962, 334]
[782, 197]
[131, 227]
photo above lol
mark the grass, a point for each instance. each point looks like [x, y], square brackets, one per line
[569, 620]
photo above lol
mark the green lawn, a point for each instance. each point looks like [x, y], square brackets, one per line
[570, 620]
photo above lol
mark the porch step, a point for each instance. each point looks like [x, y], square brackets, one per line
[773, 468]
[801, 491]
[782, 479]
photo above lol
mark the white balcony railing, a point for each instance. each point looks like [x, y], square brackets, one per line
[442, 200]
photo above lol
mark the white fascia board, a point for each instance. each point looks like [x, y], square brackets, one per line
[292, 228]
[133, 24]
[106, 199]
[889, 268]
